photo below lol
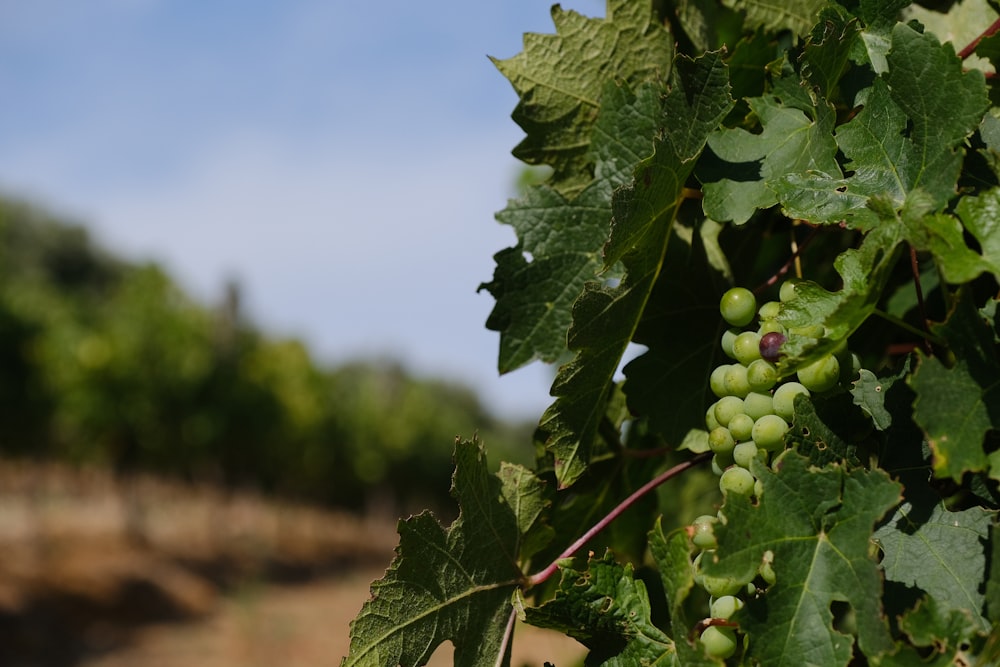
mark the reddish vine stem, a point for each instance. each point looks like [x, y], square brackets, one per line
[543, 575]
[788, 264]
[921, 306]
[968, 50]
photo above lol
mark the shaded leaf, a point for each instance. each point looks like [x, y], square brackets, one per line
[446, 584]
[939, 552]
[560, 79]
[957, 405]
[817, 522]
[605, 318]
[607, 609]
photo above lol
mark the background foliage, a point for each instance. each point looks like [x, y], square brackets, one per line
[108, 361]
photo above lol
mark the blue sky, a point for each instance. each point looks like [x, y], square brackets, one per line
[343, 161]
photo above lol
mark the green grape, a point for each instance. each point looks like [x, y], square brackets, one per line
[720, 440]
[736, 480]
[821, 375]
[784, 399]
[769, 432]
[720, 462]
[770, 326]
[738, 306]
[726, 407]
[717, 586]
[757, 404]
[769, 310]
[728, 336]
[761, 375]
[758, 488]
[787, 291]
[735, 381]
[717, 381]
[703, 532]
[710, 421]
[746, 347]
[741, 427]
[745, 452]
[719, 641]
[724, 607]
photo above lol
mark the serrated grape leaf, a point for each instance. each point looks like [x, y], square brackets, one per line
[957, 405]
[906, 137]
[563, 237]
[795, 15]
[870, 392]
[864, 272]
[939, 552]
[560, 78]
[665, 384]
[951, 634]
[672, 554]
[790, 141]
[447, 584]
[525, 494]
[980, 217]
[826, 429]
[606, 609]
[817, 522]
[828, 49]
[605, 318]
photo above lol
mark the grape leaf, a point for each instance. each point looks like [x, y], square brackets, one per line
[817, 522]
[525, 494]
[951, 634]
[559, 80]
[447, 584]
[906, 137]
[790, 141]
[864, 271]
[535, 298]
[956, 406]
[660, 383]
[795, 15]
[939, 552]
[605, 318]
[980, 217]
[607, 609]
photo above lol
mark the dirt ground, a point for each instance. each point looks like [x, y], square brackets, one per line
[100, 573]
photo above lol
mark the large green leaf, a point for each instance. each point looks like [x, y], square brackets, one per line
[906, 137]
[795, 15]
[560, 80]
[817, 523]
[939, 552]
[605, 318]
[607, 609]
[791, 141]
[957, 404]
[452, 584]
[560, 238]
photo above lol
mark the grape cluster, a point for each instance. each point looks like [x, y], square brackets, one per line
[749, 421]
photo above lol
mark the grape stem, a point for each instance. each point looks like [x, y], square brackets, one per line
[543, 575]
[971, 47]
[791, 260]
[924, 335]
[915, 269]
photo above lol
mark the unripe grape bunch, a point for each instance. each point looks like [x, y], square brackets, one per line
[749, 420]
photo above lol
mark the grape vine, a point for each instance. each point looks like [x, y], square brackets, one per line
[794, 217]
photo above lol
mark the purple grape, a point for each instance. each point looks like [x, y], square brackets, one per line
[770, 346]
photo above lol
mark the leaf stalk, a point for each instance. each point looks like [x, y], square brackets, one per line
[551, 568]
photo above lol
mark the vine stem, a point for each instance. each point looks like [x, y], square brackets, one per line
[924, 335]
[971, 47]
[543, 575]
